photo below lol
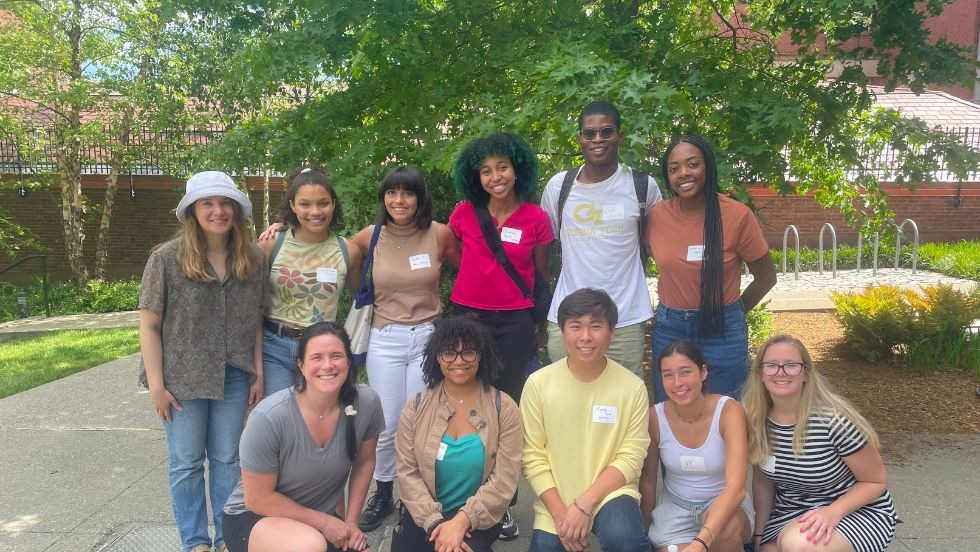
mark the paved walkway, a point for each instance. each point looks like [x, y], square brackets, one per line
[84, 460]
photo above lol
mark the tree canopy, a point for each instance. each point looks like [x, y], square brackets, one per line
[409, 81]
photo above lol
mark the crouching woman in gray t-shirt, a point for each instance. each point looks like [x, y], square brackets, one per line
[301, 446]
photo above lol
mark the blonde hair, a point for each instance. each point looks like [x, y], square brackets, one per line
[818, 397]
[192, 249]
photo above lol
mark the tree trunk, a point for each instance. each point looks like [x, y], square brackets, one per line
[70, 163]
[111, 186]
[265, 197]
[72, 205]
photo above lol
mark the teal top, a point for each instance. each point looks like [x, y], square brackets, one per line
[459, 469]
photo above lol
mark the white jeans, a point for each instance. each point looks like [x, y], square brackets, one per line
[394, 367]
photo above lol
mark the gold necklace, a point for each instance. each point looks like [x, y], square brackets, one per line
[704, 405]
[310, 406]
[454, 399]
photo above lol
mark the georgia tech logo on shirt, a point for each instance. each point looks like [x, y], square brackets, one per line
[587, 212]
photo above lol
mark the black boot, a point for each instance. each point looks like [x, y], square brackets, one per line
[378, 507]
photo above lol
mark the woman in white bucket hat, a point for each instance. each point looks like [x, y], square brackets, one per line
[201, 305]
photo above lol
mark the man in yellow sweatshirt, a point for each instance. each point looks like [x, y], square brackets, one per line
[585, 437]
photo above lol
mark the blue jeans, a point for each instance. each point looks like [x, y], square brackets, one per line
[727, 354]
[211, 429]
[278, 362]
[618, 525]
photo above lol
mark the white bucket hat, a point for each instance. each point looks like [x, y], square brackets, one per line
[212, 183]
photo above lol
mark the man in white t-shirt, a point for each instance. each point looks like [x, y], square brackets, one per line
[601, 238]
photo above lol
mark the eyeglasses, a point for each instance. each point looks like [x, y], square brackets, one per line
[605, 132]
[788, 368]
[469, 355]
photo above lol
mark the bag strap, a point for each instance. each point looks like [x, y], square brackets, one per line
[280, 238]
[566, 189]
[492, 238]
[343, 250]
[362, 287]
[640, 181]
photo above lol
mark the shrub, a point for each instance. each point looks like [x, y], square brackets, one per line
[927, 329]
[875, 321]
[760, 322]
[63, 298]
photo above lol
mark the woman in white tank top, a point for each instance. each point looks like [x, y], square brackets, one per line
[701, 440]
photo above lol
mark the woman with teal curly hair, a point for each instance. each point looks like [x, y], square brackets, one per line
[498, 176]
[499, 144]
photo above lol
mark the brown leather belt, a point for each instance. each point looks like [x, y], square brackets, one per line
[282, 330]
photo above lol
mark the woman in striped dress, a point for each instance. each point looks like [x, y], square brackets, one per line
[818, 477]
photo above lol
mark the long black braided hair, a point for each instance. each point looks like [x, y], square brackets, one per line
[712, 307]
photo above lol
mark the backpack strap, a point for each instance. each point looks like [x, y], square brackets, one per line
[566, 188]
[343, 250]
[640, 181]
[496, 246]
[280, 238]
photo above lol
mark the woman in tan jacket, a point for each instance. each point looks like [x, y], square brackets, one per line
[458, 446]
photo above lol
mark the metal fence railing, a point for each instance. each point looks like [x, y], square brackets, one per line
[160, 153]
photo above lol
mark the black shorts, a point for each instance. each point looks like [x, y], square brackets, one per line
[238, 527]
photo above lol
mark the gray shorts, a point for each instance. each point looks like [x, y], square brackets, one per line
[677, 521]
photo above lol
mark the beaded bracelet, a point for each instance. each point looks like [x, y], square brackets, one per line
[580, 509]
[698, 539]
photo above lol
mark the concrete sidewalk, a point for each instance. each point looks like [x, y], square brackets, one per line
[84, 469]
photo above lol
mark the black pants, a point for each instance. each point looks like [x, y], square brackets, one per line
[408, 537]
[513, 333]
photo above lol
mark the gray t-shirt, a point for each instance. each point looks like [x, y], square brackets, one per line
[276, 440]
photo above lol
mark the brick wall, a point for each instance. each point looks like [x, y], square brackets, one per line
[137, 224]
[931, 209]
[141, 223]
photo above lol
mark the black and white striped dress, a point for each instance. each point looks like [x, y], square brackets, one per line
[820, 477]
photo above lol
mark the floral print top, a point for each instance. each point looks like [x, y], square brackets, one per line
[307, 279]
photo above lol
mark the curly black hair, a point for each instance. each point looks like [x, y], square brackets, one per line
[465, 332]
[301, 176]
[466, 174]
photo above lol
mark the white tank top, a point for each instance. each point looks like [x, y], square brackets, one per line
[693, 473]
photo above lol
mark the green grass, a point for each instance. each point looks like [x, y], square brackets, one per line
[31, 361]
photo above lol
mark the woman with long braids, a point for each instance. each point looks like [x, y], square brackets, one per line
[699, 239]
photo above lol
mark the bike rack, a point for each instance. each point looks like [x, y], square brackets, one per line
[44, 277]
[796, 239]
[915, 246]
[874, 270]
[833, 235]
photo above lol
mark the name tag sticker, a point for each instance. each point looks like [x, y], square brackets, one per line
[604, 414]
[328, 275]
[768, 464]
[419, 261]
[511, 235]
[441, 453]
[695, 252]
[613, 212]
[693, 464]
